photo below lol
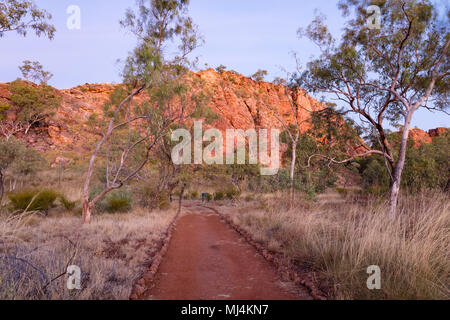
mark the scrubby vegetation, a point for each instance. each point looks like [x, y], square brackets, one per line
[339, 240]
[111, 253]
[33, 200]
[326, 210]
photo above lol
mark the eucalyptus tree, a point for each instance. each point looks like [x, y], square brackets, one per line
[24, 15]
[156, 70]
[383, 74]
[34, 71]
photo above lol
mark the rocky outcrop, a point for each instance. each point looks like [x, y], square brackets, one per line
[438, 132]
[421, 137]
[240, 102]
[243, 103]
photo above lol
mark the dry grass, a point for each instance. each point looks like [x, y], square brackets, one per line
[112, 252]
[341, 240]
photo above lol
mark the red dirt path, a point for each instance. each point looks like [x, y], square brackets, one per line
[207, 260]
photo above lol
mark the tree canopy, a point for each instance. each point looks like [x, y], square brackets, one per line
[383, 74]
[24, 15]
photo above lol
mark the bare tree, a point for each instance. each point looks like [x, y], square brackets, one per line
[10, 128]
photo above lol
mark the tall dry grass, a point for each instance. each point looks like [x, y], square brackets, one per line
[112, 252]
[341, 240]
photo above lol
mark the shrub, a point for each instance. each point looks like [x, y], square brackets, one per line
[67, 204]
[34, 102]
[119, 201]
[209, 197]
[219, 195]
[115, 201]
[232, 193]
[342, 191]
[151, 198]
[164, 200]
[33, 200]
[118, 205]
[194, 195]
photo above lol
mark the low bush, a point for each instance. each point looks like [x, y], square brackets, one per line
[219, 195]
[67, 204]
[232, 193]
[33, 200]
[151, 198]
[118, 201]
[194, 195]
[342, 191]
[114, 202]
[163, 200]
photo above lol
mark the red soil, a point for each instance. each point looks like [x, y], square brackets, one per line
[207, 260]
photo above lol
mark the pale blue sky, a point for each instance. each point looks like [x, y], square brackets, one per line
[244, 35]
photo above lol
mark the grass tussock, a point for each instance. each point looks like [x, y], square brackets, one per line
[341, 240]
[112, 252]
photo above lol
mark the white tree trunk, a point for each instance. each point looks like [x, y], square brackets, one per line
[2, 187]
[292, 171]
[89, 205]
[398, 171]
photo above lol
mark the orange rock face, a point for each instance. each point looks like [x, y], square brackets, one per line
[420, 137]
[243, 103]
[437, 132]
[240, 102]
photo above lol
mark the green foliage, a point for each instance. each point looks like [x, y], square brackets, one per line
[28, 163]
[209, 197]
[151, 197]
[194, 195]
[260, 75]
[163, 200]
[34, 71]
[35, 103]
[3, 107]
[269, 184]
[219, 195]
[279, 81]
[18, 159]
[10, 151]
[342, 191]
[93, 120]
[232, 193]
[427, 167]
[118, 201]
[67, 204]
[374, 172]
[24, 15]
[373, 73]
[168, 22]
[221, 68]
[34, 200]
[118, 205]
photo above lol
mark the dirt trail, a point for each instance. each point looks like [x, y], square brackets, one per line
[207, 260]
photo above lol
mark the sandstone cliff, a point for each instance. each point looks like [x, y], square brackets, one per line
[240, 102]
